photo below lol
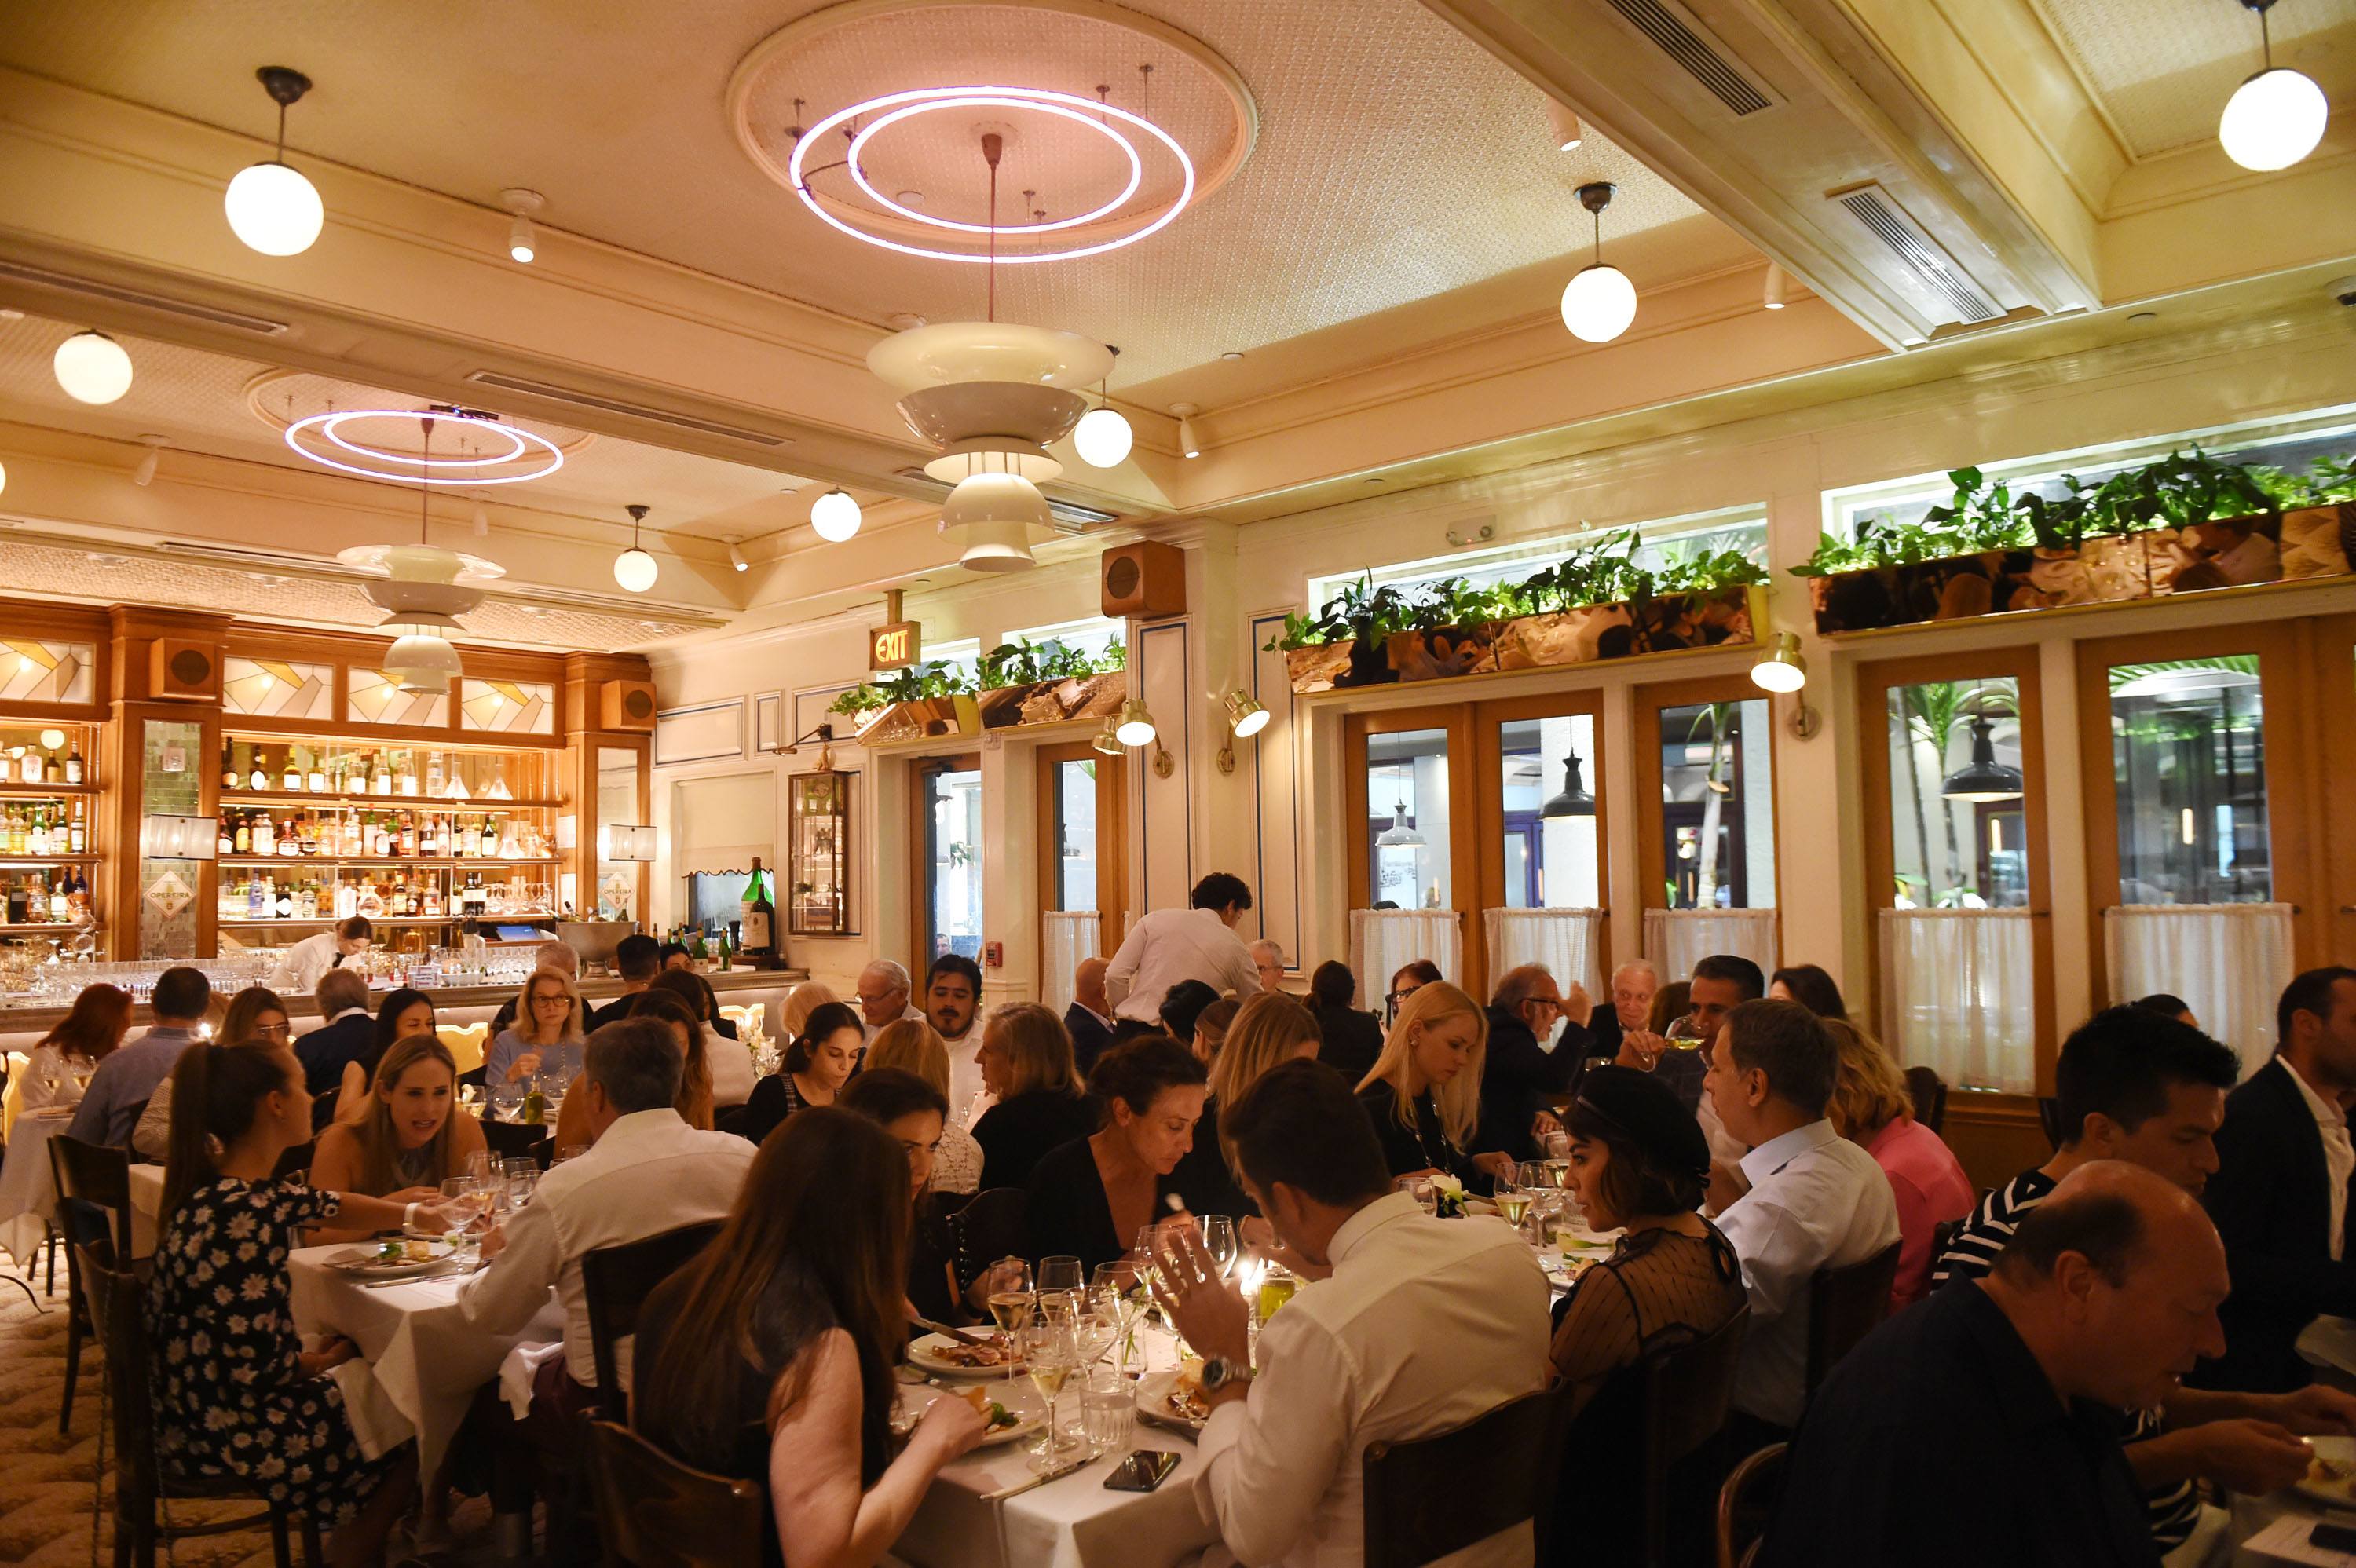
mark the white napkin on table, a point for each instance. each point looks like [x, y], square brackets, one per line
[379, 1426]
[516, 1373]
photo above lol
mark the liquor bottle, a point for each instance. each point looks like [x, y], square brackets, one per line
[291, 781]
[726, 956]
[316, 781]
[379, 774]
[407, 779]
[265, 833]
[244, 844]
[696, 951]
[490, 842]
[259, 777]
[75, 767]
[36, 836]
[78, 833]
[60, 904]
[233, 776]
[53, 770]
[760, 916]
[282, 903]
[432, 899]
[226, 845]
[435, 775]
[257, 899]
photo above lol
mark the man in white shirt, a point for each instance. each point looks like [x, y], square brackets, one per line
[1199, 943]
[1421, 1325]
[1816, 1200]
[300, 966]
[884, 997]
[953, 1006]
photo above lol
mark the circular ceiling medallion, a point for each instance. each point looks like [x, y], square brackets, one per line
[1110, 124]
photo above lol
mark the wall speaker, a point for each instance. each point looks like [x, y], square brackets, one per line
[184, 671]
[1145, 581]
[625, 705]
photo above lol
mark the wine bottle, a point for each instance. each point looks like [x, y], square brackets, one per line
[75, 768]
[78, 833]
[232, 777]
[291, 781]
[760, 912]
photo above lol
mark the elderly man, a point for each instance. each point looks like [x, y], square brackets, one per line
[883, 988]
[1524, 1077]
[1633, 985]
[1267, 958]
[1088, 1020]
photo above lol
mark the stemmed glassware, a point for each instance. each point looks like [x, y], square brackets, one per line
[1060, 1281]
[1115, 1295]
[1051, 1353]
[1011, 1298]
[1219, 1241]
[1513, 1201]
[464, 1198]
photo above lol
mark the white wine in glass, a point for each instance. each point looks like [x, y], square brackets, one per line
[1512, 1204]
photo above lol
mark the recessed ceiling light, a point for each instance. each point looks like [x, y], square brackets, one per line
[1232, 353]
[2143, 318]
[909, 197]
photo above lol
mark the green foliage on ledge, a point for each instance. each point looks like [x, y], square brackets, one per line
[2175, 492]
[1018, 663]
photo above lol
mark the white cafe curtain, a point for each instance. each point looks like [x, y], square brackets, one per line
[1676, 938]
[2229, 962]
[1958, 995]
[1066, 936]
[1568, 941]
[1382, 941]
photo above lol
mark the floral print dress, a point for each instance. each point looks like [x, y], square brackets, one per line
[230, 1397]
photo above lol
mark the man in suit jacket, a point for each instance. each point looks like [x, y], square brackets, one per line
[2281, 1195]
[1088, 1019]
[348, 1035]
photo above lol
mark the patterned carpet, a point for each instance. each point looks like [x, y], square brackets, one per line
[45, 1479]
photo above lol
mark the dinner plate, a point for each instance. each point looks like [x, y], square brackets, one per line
[934, 1353]
[1153, 1404]
[2338, 1492]
[1028, 1421]
[367, 1262]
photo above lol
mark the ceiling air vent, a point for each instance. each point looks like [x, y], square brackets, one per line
[1940, 283]
[580, 399]
[1683, 40]
[188, 310]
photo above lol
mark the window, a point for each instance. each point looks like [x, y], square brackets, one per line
[1716, 843]
[1955, 795]
[949, 800]
[1091, 636]
[1406, 820]
[2188, 761]
[1076, 836]
[1545, 786]
[1737, 527]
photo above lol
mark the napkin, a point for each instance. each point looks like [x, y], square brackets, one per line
[380, 1427]
[522, 1365]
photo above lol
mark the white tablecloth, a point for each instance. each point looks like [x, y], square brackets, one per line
[425, 1363]
[28, 1195]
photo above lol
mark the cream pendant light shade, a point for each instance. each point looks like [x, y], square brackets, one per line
[1190, 444]
[634, 569]
[2272, 120]
[1103, 437]
[1136, 725]
[1598, 304]
[92, 367]
[992, 515]
[421, 662]
[835, 515]
[272, 208]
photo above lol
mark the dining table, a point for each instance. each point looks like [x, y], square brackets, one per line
[28, 1190]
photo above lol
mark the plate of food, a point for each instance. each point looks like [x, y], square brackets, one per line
[395, 1258]
[940, 1354]
[1002, 1423]
[1174, 1399]
[2330, 1475]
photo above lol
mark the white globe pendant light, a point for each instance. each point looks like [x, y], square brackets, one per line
[634, 569]
[1103, 437]
[270, 206]
[2277, 116]
[1599, 302]
[835, 515]
[91, 367]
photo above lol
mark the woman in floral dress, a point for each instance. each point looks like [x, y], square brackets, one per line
[236, 1394]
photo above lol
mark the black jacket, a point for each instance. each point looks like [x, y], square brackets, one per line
[1425, 1147]
[1091, 1036]
[1014, 1132]
[1519, 1078]
[1067, 1213]
[323, 1054]
[2271, 1201]
[1348, 1041]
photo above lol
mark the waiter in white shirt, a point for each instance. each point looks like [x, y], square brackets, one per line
[1420, 1325]
[300, 966]
[1199, 943]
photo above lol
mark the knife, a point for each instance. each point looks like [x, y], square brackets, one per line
[960, 1335]
[1023, 1485]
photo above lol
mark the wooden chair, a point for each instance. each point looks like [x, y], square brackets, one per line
[518, 1140]
[655, 1512]
[1429, 1496]
[142, 1480]
[987, 1227]
[1687, 1391]
[1844, 1305]
[98, 1179]
[616, 1283]
[1930, 1095]
[1746, 1505]
[464, 1042]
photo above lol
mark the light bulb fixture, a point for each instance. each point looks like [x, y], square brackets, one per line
[1599, 302]
[1401, 833]
[1105, 743]
[1189, 443]
[1246, 717]
[993, 516]
[1780, 665]
[1984, 778]
[736, 557]
[1103, 437]
[835, 515]
[91, 367]
[2276, 117]
[523, 243]
[1135, 726]
[1776, 283]
[270, 206]
[1564, 126]
[634, 569]
[1572, 799]
[421, 663]
[144, 474]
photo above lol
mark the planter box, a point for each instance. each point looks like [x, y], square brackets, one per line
[1096, 697]
[2224, 552]
[1584, 635]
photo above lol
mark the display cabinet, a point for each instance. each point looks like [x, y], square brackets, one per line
[51, 883]
[818, 839]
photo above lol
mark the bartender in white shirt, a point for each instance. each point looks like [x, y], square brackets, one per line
[300, 966]
[1195, 943]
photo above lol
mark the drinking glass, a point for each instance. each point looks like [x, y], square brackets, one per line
[1686, 1034]
[521, 1185]
[1050, 1355]
[1109, 1407]
[1059, 1284]
[1113, 1292]
[463, 1201]
[1012, 1296]
[1513, 1204]
[1219, 1241]
[478, 1164]
[80, 1069]
[507, 1100]
[1426, 1196]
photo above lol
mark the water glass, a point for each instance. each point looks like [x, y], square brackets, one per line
[1109, 1407]
[1426, 1196]
[1219, 1241]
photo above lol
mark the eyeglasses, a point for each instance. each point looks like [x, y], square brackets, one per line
[273, 1031]
[557, 999]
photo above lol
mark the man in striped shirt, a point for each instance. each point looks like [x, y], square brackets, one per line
[2151, 1090]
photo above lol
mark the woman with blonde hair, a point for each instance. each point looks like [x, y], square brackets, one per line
[546, 1036]
[1027, 1066]
[912, 1045]
[1269, 1030]
[804, 1000]
[1871, 1108]
[407, 1141]
[1424, 1092]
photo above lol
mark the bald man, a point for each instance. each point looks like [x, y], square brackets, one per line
[1088, 1020]
[2005, 1394]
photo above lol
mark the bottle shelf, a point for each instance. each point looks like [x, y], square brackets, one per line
[235, 797]
[421, 862]
[47, 928]
[35, 862]
[46, 791]
[373, 920]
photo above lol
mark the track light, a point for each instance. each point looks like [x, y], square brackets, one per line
[272, 208]
[91, 367]
[736, 557]
[1599, 302]
[144, 474]
[1564, 124]
[1189, 443]
[634, 569]
[1776, 283]
[523, 244]
[835, 515]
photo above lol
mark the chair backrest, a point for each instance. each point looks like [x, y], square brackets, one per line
[1746, 1503]
[99, 1174]
[987, 1227]
[1844, 1305]
[656, 1512]
[2048, 1116]
[1930, 1095]
[1689, 1390]
[464, 1042]
[1428, 1497]
[12, 1098]
[516, 1140]
[113, 1297]
[616, 1283]
[1943, 1236]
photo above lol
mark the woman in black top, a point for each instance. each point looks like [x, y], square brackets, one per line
[1026, 1063]
[1349, 1040]
[1269, 1029]
[1090, 1199]
[814, 1071]
[769, 1357]
[1424, 1094]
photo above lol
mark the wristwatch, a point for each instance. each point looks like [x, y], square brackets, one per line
[1219, 1372]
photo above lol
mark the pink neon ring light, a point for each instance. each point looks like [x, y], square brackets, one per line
[858, 143]
[400, 467]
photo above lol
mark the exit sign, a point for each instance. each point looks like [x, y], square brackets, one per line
[896, 646]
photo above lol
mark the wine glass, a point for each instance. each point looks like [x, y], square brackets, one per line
[1513, 1202]
[478, 1164]
[1219, 1241]
[1010, 1298]
[463, 1202]
[1114, 1290]
[1050, 1354]
[1059, 1284]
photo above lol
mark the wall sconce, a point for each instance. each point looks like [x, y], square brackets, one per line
[623, 841]
[178, 838]
[1781, 667]
[1246, 718]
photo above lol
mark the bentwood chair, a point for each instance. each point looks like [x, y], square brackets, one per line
[987, 1227]
[518, 1140]
[1429, 1496]
[143, 1480]
[1746, 1504]
[93, 1186]
[1689, 1391]
[1929, 1092]
[655, 1512]
[1844, 1305]
[616, 1283]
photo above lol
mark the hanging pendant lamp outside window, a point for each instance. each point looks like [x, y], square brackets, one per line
[1598, 304]
[1573, 800]
[1984, 778]
[1401, 833]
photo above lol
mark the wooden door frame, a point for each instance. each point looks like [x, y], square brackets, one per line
[2332, 669]
[1112, 839]
[1647, 701]
[1488, 813]
[1455, 720]
[920, 839]
[2296, 854]
[2020, 663]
